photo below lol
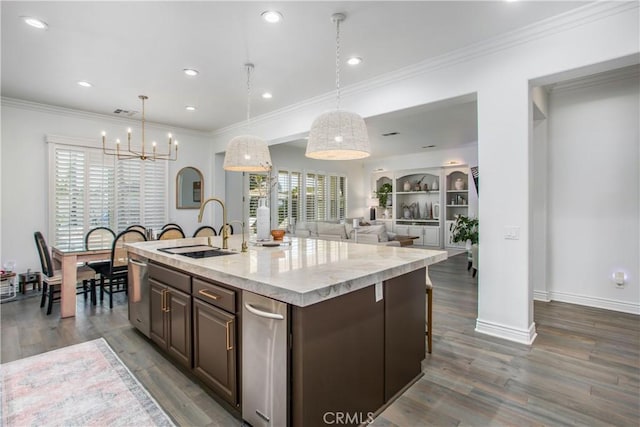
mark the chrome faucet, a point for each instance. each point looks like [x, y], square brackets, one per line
[225, 232]
[244, 243]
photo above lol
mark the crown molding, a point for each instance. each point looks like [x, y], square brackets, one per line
[556, 24]
[627, 73]
[79, 114]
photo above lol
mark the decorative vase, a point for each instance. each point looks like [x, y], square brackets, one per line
[434, 186]
[407, 186]
[459, 184]
[263, 225]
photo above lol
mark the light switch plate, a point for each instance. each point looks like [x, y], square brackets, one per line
[511, 232]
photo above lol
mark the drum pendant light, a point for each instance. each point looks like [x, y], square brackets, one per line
[247, 153]
[339, 134]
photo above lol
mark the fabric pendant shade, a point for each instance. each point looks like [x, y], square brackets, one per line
[338, 135]
[247, 153]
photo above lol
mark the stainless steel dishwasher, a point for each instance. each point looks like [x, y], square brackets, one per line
[264, 361]
[139, 296]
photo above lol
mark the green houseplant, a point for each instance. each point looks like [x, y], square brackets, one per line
[465, 228]
[383, 194]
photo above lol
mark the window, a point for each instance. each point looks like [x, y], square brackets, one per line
[322, 197]
[93, 190]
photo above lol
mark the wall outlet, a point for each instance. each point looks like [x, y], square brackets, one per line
[618, 277]
[511, 232]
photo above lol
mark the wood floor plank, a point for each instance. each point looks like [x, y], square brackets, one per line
[583, 369]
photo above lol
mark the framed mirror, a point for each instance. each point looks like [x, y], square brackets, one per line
[189, 188]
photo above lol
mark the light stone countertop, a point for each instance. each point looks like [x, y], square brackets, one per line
[304, 273]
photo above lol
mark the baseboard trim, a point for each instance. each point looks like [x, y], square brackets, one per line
[522, 336]
[541, 296]
[597, 302]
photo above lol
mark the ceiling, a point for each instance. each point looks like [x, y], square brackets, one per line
[130, 48]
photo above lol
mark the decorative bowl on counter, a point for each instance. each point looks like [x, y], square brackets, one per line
[277, 234]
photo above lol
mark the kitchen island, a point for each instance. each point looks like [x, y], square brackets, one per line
[313, 332]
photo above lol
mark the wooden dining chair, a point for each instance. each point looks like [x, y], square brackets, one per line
[99, 238]
[137, 227]
[115, 278]
[229, 228]
[52, 279]
[171, 233]
[170, 225]
[205, 231]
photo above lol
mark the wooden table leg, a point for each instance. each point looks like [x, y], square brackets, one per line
[69, 280]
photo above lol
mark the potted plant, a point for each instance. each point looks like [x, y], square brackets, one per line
[465, 229]
[383, 196]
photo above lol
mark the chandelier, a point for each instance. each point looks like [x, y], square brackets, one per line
[339, 134]
[143, 154]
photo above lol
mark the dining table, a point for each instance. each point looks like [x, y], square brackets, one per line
[67, 259]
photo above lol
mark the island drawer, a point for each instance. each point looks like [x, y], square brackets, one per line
[213, 294]
[170, 277]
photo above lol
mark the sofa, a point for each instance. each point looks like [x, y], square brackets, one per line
[336, 230]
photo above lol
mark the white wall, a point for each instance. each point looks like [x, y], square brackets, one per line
[602, 35]
[24, 160]
[594, 188]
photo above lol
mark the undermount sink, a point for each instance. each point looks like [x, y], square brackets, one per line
[196, 251]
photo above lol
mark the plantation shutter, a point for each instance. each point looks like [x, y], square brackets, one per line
[284, 192]
[310, 197]
[321, 197]
[296, 206]
[342, 197]
[154, 208]
[333, 197]
[128, 183]
[101, 185]
[69, 173]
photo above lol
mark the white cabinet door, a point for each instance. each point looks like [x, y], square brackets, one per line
[402, 229]
[432, 236]
[417, 231]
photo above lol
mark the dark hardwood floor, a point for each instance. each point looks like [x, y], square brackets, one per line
[583, 369]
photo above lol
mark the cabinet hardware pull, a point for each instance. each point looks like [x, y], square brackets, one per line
[141, 264]
[261, 313]
[162, 303]
[229, 346]
[206, 293]
[166, 301]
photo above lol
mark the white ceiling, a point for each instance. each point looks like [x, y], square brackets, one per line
[131, 48]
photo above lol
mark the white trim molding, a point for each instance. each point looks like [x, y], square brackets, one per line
[597, 302]
[522, 336]
[541, 296]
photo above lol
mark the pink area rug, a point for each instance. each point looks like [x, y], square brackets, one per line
[80, 385]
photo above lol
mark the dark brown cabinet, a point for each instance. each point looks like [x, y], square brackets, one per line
[171, 321]
[215, 350]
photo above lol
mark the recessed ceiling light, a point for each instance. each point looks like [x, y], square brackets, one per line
[272, 16]
[35, 22]
[267, 95]
[354, 60]
[84, 83]
[190, 108]
[190, 72]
